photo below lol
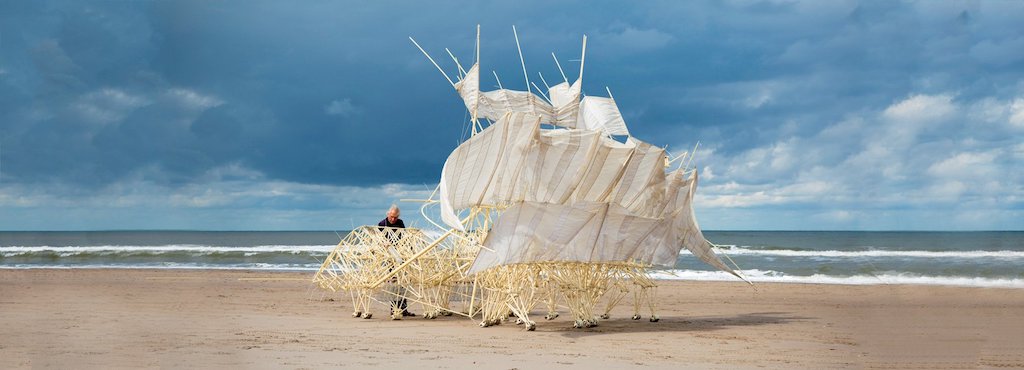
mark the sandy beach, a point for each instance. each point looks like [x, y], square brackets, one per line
[248, 319]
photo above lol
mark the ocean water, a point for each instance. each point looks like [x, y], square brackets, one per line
[987, 259]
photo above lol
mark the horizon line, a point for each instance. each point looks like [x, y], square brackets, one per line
[329, 230]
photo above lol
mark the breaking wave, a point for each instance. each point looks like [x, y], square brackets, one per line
[739, 251]
[979, 260]
[755, 276]
[309, 267]
[769, 276]
[156, 250]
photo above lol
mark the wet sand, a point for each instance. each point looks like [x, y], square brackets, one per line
[250, 319]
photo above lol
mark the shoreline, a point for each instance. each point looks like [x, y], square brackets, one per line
[657, 275]
[102, 318]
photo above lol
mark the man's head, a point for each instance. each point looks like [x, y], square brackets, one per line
[393, 213]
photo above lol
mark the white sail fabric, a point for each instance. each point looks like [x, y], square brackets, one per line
[582, 232]
[597, 113]
[577, 195]
[685, 223]
[469, 89]
[557, 163]
[493, 105]
[678, 227]
[565, 103]
[598, 232]
[564, 93]
[574, 193]
[641, 180]
[604, 172]
[482, 170]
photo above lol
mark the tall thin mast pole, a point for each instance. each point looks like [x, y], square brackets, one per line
[678, 157]
[521, 60]
[543, 80]
[497, 79]
[541, 92]
[692, 154]
[457, 64]
[583, 57]
[432, 61]
[559, 67]
[476, 104]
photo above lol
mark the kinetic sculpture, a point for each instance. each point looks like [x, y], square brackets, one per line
[551, 201]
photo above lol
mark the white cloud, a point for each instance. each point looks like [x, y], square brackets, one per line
[838, 216]
[1017, 113]
[849, 127]
[921, 108]
[759, 198]
[340, 107]
[108, 105]
[707, 174]
[947, 190]
[990, 111]
[758, 99]
[111, 105]
[925, 155]
[733, 194]
[967, 164]
[229, 197]
[1017, 153]
[745, 94]
[192, 100]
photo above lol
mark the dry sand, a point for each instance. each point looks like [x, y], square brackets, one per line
[248, 319]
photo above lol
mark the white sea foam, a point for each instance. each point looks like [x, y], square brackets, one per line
[762, 276]
[172, 266]
[755, 276]
[65, 251]
[308, 257]
[162, 249]
[739, 251]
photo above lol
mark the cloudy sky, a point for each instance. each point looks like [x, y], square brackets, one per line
[253, 115]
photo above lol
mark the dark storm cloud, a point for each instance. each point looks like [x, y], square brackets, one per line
[95, 95]
[175, 89]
